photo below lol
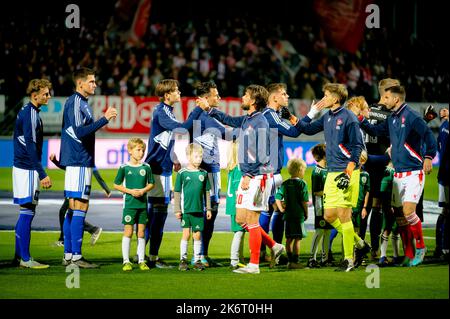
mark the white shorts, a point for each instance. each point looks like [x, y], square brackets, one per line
[162, 192]
[256, 197]
[443, 196]
[407, 187]
[277, 180]
[25, 186]
[214, 182]
[77, 183]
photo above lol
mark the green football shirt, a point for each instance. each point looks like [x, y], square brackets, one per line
[234, 177]
[293, 192]
[135, 177]
[318, 177]
[192, 184]
[386, 182]
[364, 188]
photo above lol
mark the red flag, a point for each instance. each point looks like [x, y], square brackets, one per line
[140, 22]
[343, 21]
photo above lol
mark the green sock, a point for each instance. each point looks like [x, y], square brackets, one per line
[337, 224]
[348, 239]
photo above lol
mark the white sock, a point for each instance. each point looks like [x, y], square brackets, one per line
[318, 234]
[141, 250]
[68, 256]
[126, 249]
[250, 265]
[76, 257]
[197, 249]
[241, 248]
[384, 245]
[325, 244]
[235, 245]
[183, 249]
[395, 244]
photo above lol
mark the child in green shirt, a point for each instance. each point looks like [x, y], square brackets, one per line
[192, 188]
[292, 200]
[134, 179]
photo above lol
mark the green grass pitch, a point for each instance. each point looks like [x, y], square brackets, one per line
[57, 177]
[428, 281]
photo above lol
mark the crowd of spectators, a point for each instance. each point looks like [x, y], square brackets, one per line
[232, 52]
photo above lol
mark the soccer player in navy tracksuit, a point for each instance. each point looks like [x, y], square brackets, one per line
[407, 131]
[206, 132]
[161, 158]
[277, 102]
[28, 173]
[78, 156]
[344, 145]
[254, 189]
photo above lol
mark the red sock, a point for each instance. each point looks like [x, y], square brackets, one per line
[269, 242]
[406, 234]
[416, 228]
[254, 240]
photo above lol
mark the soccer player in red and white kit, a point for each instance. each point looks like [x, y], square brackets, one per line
[408, 132]
[253, 193]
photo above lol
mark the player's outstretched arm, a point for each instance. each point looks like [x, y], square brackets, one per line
[233, 121]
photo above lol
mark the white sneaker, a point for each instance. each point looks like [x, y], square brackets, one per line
[247, 270]
[96, 235]
[277, 251]
[32, 264]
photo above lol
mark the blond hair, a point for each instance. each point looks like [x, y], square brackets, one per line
[36, 85]
[338, 90]
[357, 102]
[385, 83]
[135, 141]
[233, 156]
[295, 165]
[193, 148]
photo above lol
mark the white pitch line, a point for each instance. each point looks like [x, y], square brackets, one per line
[45, 201]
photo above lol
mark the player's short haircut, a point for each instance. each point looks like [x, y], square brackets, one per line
[356, 101]
[36, 85]
[259, 94]
[338, 90]
[165, 86]
[135, 141]
[295, 165]
[275, 87]
[363, 157]
[385, 83]
[81, 73]
[193, 148]
[204, 88]
[398, 90]
[319, 152]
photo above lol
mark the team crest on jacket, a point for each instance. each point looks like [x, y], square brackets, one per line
[403, 121]
[338, 124]
[142, 172]
[201, 178]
